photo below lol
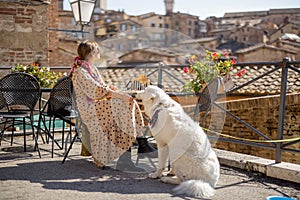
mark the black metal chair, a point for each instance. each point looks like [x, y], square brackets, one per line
[19, 94]
[60, 105]
[205, 99]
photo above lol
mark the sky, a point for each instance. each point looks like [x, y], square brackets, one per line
[200, 8]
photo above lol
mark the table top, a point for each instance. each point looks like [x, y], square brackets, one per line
[46, 89]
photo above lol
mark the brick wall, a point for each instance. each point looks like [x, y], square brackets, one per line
[23, 33]
[261, 113]
[62, 46]
[53, 24]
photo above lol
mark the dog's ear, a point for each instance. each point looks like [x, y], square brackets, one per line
[148, 95]
[152, 97]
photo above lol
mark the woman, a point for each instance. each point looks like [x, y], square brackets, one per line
[113, 119]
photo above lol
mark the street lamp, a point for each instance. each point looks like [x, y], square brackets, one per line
[82, 11]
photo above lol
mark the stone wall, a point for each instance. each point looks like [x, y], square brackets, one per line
[261, 113]
[23, 33]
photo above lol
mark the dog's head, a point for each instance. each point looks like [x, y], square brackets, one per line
[151, 97]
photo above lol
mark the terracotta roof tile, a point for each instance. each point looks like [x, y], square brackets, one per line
[269, 84]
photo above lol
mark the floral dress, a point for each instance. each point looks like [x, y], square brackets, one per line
[113, 124]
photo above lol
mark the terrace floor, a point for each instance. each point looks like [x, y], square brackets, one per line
[23, 175]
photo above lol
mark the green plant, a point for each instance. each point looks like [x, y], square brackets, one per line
[214, 65]
[46, 78]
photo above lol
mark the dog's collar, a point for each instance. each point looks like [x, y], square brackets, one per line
[154, 118]
[157, 106]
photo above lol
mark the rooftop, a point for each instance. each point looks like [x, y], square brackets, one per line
[268, 85]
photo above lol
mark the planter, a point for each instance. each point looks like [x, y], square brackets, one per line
[226, 84]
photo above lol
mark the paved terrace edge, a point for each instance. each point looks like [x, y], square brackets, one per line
[285, 171]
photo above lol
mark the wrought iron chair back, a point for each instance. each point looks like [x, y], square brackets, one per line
[60, 105]
[60, 101]
[19, 89]
[19, 94]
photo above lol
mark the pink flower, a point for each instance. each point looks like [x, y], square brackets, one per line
[226, 54]
[186, 70]
[241, 73]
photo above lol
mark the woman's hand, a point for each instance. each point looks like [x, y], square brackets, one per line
[113, 87]
[110, 91]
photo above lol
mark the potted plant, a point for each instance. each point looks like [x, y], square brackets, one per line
[214, 65]
[46, 78]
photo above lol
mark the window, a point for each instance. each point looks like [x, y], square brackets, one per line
[166, 25]
[133, 28]
[119, 47]
[108, 20]
[152, 25]
[96, 17]
[160, 25]
[123, 27]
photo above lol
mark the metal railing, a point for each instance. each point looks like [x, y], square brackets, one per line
[285, 66]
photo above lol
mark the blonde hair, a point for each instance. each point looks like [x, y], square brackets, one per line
[85, 48]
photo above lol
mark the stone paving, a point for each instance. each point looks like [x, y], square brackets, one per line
[23, 175]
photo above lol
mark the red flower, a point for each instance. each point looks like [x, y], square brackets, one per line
[226, 54]
[215, 55]
[186, 70]
[233, 61]
[241, 73]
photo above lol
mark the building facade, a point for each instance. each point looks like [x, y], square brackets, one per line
[24, 32]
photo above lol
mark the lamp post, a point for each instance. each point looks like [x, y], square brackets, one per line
[82, 11]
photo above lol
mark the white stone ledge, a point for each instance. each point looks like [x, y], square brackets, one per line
[284, 171]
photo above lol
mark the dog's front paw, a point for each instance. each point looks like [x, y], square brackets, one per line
[155, 175]
[170, 180]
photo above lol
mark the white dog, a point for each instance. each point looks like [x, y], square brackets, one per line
[179, 138]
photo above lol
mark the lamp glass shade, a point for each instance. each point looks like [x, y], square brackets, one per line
[82, 10]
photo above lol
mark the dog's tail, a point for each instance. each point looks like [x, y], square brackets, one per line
[196, 188]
